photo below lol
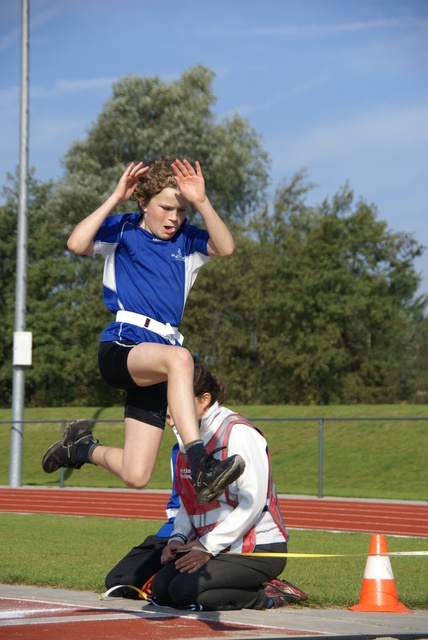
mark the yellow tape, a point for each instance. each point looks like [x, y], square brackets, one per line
[406, 553]
[101, 596]
[310, 555]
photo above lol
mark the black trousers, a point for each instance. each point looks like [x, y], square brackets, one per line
[224, 582]
[136, 567]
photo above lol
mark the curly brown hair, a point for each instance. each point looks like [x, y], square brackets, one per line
[158, 177]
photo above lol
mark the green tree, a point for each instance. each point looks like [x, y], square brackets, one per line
[317, 306]
[63, 353]
[147, 116]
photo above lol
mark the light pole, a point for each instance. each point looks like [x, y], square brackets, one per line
[21, 339]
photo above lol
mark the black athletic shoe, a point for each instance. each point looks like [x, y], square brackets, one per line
[63, 452]
[213, 476]
[282, 592]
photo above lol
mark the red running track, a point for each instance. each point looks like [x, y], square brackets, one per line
[369, 516]
[37, 620]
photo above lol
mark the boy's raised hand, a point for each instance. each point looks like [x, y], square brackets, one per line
[190, 182]
[129, 180]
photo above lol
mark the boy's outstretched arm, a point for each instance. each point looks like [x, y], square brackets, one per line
[192, 186]
[81, 240]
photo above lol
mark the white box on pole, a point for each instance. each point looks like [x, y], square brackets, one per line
[22, 348]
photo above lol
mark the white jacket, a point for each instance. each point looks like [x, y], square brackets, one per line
[241, 510]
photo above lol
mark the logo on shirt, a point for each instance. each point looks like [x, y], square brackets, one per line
[185, 473]
[178, 255]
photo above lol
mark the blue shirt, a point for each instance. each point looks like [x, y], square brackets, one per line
[147, 275]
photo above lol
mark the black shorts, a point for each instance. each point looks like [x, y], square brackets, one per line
[146, 404]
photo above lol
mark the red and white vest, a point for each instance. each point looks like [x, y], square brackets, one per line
[208, 516]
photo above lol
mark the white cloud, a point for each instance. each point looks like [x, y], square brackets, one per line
[275, 99]
[323, 30]
[63, 87]
[382, 155]
[37, 20]
[9, 96]
[75, 86]
[40, 18]
[9, 39]
[379, 134]
[55, 134]
[53, 130]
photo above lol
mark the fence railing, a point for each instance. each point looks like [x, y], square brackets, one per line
[320, 420]
[321, 423]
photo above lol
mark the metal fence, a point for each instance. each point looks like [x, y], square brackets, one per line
[321, 423]
[320, 420]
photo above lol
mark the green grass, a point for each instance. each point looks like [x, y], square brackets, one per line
[76, 553]
[383, 458]
[362, 458]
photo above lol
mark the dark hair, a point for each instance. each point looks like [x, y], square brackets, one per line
[158, 177]
[205, 382]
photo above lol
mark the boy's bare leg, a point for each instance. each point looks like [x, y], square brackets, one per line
[134, 463]
[150, 363]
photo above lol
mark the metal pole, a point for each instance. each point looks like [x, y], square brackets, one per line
[320, 456]
[17, 428]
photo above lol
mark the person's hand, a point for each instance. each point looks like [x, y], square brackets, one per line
[169, 552]
[190, 182]
[194, 559]
[129, 180]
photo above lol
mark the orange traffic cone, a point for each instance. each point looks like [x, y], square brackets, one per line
[378, 592]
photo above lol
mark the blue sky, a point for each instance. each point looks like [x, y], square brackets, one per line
[337, 86]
